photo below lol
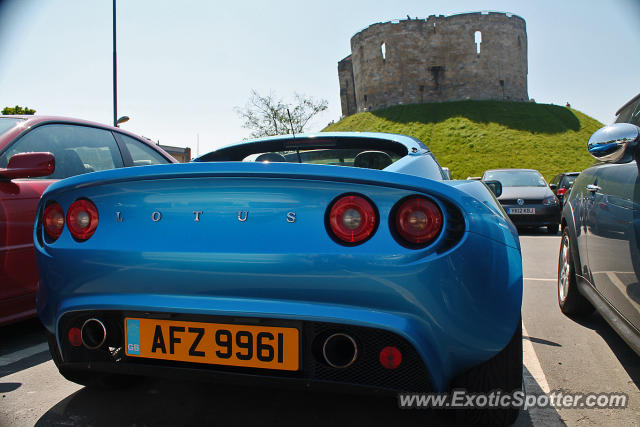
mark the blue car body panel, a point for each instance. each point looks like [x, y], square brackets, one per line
[457, 303]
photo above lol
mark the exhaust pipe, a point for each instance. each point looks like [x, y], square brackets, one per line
[340, 350]
[93, 334]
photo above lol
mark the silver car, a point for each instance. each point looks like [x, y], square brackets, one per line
[527, 198]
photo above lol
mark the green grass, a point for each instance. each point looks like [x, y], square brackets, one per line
[471, 136]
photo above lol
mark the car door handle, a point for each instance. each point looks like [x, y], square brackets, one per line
[593, 188]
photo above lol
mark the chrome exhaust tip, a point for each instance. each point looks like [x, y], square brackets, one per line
[93, 334]
[340, 350]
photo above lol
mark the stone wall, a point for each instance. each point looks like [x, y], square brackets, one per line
[435, 59]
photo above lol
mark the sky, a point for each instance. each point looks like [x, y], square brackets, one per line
[184, 66]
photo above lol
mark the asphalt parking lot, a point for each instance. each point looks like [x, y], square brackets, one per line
[559, 354]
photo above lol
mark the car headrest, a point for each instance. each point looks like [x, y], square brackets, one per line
[372, 160]
[69, 164]
[270, 157]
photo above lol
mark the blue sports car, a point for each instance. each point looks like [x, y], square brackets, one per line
[329, 259]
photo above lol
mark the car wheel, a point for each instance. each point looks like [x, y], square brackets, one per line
[570, 299]
[553, 228]
[87, 379]
[503, 372]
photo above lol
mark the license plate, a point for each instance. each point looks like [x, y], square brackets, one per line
[528, 211]
[266, 347]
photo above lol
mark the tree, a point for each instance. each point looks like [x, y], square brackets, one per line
[18, 110]
[267, 115]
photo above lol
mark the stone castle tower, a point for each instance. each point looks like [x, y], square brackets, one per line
[478, 56]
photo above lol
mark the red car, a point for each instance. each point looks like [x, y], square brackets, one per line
[36, 151]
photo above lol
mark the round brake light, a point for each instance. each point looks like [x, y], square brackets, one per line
[53, 220]
[390, 357]
[352, 219]
[82, 219]
[418, 220]
[75, 337]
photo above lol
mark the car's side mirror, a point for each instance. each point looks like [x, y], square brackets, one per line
[614, 143]
[495, 187]
[553, 186]
[28, 165]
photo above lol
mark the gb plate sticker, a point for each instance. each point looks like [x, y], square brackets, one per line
[133, 336]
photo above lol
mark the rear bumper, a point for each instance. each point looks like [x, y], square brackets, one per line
[456, 309]
[366, 373]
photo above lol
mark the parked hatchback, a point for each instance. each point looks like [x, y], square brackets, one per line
[527, 198]
[36, 151]
[561, 184]
[599, 262]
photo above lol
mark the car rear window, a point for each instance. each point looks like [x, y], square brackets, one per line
[355, 151]
[372, 159]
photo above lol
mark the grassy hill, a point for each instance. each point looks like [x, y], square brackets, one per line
[472, 136]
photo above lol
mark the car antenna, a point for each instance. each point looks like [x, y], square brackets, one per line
[294, 136]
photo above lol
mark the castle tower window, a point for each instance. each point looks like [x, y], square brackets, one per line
[478, 39]
[365, 98]
[383, 49]
[437, 73]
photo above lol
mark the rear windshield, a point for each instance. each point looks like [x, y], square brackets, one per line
[516, 178]
[7, 123]
[372, 159]
[359, 152]
[568, 180]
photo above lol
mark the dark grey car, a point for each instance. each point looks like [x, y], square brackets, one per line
[599, 262]
[527, 198]
[561, 184]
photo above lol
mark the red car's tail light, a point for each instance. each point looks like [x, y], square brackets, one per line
[352, 219]
[561, 191]
[82, 219]
[53, 220]
[418, 221]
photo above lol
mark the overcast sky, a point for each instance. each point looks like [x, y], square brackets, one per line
[183, 66]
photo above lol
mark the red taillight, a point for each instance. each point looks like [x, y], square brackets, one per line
[352, 219]
[75, 337]
[390, 357]
[418, 220]
[53, 220]
[561, 191]
[82, 219]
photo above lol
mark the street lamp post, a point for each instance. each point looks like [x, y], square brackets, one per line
[115, 70]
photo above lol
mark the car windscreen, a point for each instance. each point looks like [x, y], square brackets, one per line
[516, 178]
[7, 123]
